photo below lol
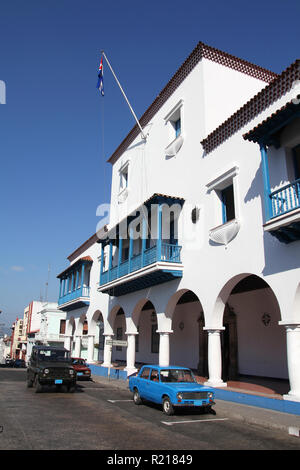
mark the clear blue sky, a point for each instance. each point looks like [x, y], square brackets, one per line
[56, 132]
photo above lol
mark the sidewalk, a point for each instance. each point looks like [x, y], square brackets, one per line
[267, 418]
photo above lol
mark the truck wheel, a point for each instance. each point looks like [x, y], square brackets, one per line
[29, 383]
[136, 397]
[168, 408]
[37, 385]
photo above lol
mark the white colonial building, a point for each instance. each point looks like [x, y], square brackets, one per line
[199, 265]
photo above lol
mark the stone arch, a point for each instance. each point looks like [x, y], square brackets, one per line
[111, 319]
[82, 321]
[142, 304]
[144, 324]
[252, 342]
[96, 317]
[216, 318]
[188, 341]
[296, 304]
[96, 331]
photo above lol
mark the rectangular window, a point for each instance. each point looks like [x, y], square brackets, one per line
[227, 198]
[124, 178]
[62, 328]
[154, 340]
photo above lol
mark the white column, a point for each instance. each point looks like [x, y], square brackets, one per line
[90, 352]
[67, 342]
[107, 352]
[214, 358]
[130, 354]
[77, 350]
[293, 359]
[164, 348]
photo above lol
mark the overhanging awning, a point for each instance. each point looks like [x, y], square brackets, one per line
[267, 131]
[84, 259]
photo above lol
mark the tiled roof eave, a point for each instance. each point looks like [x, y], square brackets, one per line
[200, 51]
[268, 95]
[273, 123]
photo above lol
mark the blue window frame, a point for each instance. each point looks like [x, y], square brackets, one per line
[227, 198]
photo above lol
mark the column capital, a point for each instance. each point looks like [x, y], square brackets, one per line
[289, 323]
[214, 329]
[164, 332]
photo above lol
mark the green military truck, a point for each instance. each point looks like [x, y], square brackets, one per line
[50, 366]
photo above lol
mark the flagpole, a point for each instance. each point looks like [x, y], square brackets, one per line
[123, 93]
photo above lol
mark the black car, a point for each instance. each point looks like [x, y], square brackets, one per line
[19, 363]
[9, 362]
[50, 366]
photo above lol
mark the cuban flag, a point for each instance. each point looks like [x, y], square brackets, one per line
[100, 85]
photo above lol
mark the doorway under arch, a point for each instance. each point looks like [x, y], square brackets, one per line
[253, 343]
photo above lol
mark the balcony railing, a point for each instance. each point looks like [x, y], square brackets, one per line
[285, 199]
[168, 253]
[75, 294]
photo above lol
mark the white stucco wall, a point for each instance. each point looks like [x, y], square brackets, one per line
[209, 95]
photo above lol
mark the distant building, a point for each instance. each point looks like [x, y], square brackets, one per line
[46, 325]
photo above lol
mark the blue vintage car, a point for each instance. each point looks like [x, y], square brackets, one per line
[170, 386]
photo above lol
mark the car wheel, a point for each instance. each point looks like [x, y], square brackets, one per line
[71, 388]
[136, 397]
[37, 385]
[168, 408]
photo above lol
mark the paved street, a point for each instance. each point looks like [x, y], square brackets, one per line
[101, 416]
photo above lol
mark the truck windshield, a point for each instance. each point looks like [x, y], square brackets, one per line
[176, 375]
[53, 355]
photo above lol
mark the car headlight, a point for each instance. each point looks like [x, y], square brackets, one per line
[71, 372]
[179, 396]
[210, 395]
[46, 371]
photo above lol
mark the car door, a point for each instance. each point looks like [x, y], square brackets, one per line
[143, 384]
[154, 386]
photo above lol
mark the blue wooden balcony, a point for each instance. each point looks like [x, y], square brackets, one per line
[74, 291]
[282, 206]
[153, 264]
[285, 199]
[167, 252]
[79, 293]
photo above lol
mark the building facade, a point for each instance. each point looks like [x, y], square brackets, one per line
[199, 265]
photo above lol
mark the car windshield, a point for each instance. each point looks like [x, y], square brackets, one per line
[176, 375]
[80, 362]
[53, 355]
